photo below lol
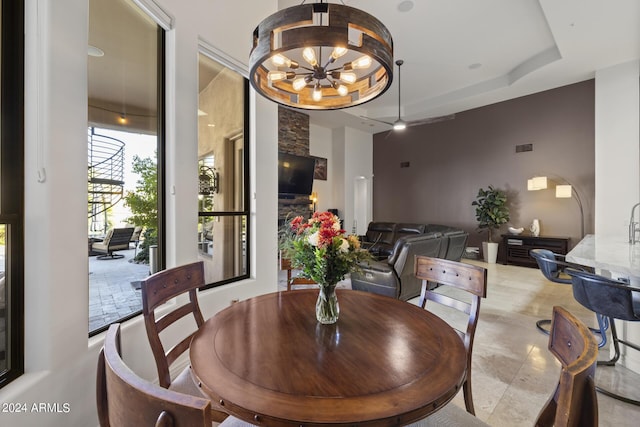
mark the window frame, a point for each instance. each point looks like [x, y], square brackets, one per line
[12, 171]
[161, 167]
[245, 212]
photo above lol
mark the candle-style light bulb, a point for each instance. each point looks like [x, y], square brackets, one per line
[309, 55]
[317, 93]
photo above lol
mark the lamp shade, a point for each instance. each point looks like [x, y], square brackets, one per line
[321, 56]
[563, 191]
[537, 183]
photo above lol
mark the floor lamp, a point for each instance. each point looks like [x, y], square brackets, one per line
[566, 191]
[563, 191]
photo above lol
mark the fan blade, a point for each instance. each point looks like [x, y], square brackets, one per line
[430, 120]
[376, 120]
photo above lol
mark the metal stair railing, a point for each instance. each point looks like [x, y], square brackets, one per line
[105, 175]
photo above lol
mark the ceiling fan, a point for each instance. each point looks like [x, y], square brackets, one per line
[400, 124]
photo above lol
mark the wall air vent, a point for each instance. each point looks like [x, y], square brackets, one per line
[522, 148]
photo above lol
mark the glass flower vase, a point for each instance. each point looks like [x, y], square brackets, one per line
[327, 308]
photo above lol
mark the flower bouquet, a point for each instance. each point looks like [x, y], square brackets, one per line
[320, 248]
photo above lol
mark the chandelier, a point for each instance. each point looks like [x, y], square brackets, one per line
[321, 56]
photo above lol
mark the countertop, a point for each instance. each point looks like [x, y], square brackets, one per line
[616, 255]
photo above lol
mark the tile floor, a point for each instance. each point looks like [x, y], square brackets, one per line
[111, 293]
[513, 372]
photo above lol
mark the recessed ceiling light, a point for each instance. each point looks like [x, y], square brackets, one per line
[405, 6]
[94, 51]
[475, 66]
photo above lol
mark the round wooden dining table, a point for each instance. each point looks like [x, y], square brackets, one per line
[267, 360]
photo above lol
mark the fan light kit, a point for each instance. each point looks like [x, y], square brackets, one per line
[400, 124]
[321, 56]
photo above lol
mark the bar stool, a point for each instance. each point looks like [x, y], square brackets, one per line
[611, 299]
[553, 268]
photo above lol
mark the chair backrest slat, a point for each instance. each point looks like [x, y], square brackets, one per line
[173, 316]
[462, 306]
[463, 276]
[299, 281]
[159, 288]
[126, 400]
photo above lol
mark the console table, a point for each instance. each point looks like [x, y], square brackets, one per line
[517, 247]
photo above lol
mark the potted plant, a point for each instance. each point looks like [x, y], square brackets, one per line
[491, 213]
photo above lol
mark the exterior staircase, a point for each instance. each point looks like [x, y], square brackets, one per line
[105, 176]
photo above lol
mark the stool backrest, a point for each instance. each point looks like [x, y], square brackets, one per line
[549, 265]
[610, 298]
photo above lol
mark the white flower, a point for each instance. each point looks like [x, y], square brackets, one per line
[336, 223]
[344, 245]
[314, 238]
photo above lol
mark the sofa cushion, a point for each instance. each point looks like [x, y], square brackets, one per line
[381, 232]
[380, 238]
[424, 244]
[404, 229]
[377, 277]
[397, 247]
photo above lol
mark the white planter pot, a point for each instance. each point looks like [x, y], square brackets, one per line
[490, 252]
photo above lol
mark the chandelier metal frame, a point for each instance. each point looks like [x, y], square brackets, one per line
[321, 56]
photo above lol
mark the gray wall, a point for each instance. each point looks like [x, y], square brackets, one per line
[451, 160]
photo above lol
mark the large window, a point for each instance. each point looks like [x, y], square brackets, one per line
[11, 191]
[125, 158]
[223, 207]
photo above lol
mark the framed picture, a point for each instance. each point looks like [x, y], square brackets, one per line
[320, 170]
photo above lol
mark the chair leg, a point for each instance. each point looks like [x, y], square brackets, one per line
[611, 362]
[605, 321]
[543, 326]
[468, 397]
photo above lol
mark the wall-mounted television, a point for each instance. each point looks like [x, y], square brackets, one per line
[295, 174]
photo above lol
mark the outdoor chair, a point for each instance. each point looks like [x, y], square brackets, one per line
[135, 238]
[573, 402]
[117, 239]
[467, 277]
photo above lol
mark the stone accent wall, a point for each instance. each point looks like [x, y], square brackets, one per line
[293, 132]
[293, 138]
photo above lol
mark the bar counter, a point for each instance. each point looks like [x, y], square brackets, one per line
[616, 258]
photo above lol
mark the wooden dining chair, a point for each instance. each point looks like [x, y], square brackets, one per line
[158, 289]
[297, 281]
[285, 265]
[437, 273]
[124, 399]
[573, 402]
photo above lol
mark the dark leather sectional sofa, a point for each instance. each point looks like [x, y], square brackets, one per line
[396, 245]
